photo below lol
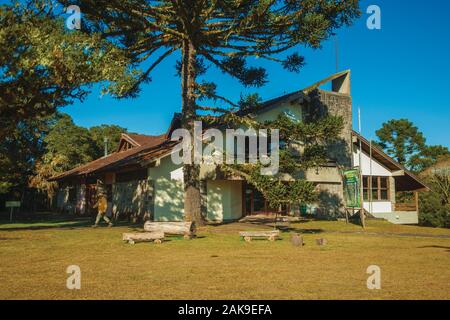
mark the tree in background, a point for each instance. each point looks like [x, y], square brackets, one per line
[68, 146]
[428, 156]
[111, 132]
[435, 204]
[222, 34]
[44, 66]
[19, 151]
[401, 140]
[72, 142]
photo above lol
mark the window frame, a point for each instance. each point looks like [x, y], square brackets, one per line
[368, 180]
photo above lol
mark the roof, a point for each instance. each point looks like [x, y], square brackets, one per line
[406, 182]
[142, 140]
[340, 83]
[141, 144]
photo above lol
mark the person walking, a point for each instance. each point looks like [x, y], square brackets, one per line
[102, 205]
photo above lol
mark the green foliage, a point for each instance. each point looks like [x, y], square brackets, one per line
[427, 157]
[250, 102]
[220, 34]
[435, 204]
[432, 212]
[71, 141]
[45, 66]
[98, 135]
[67, 146]
[314, 137]
[401, 140]
[19, 150]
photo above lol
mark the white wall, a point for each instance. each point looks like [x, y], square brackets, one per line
[224, 200]
[377, 168]
[374, 168]
[168, 191]
[378, 206]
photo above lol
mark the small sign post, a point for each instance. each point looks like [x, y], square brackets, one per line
[12, 205]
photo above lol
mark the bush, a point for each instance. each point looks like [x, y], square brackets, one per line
[432, 212]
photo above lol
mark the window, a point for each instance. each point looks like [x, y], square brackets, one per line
[244, 150]
[255, 203]
[378, 190]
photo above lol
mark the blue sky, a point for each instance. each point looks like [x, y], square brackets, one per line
[400, 71]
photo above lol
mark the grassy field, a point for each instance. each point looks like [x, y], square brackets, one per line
[414, 262]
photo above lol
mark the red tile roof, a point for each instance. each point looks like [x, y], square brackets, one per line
[144, 145]
[144, 140]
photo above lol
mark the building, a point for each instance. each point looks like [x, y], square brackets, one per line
[142, 182]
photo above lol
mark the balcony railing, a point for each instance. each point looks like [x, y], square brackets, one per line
[406, 207]
[412, 206]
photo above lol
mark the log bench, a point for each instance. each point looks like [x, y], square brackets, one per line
[269, 235]
[186, 229]
[321, 242]
[132, 238]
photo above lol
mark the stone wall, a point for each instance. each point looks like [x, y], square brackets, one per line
[392, 191]
[330, 185]
[337, 104]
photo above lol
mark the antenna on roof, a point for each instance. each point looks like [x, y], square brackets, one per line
[105, 140]
[361, 177]
[336, 49]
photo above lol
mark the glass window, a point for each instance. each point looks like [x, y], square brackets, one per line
[379, 190]
[383, 182]
[383, 187]
[258, 202]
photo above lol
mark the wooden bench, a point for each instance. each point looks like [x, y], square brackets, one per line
[186, 229]
[132, 238]
[269, 235]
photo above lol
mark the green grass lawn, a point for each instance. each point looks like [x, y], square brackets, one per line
[414, 262]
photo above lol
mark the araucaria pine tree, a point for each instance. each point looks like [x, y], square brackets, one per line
[218, 33]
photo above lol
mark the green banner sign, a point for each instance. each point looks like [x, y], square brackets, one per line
[352, 189]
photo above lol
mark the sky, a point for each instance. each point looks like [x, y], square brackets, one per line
[400, 71]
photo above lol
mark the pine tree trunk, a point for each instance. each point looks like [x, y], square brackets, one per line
[192, 197]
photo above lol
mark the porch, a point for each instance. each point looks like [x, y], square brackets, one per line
[404, 212]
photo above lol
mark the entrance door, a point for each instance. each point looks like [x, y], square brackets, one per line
[255, 203]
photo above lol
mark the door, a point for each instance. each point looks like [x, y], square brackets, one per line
[255, 203]
[91, 198]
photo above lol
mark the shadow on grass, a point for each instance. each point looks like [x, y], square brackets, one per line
[447, 249]
[301, 231]
[8, 239]
[57, 223]
[268, 222]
